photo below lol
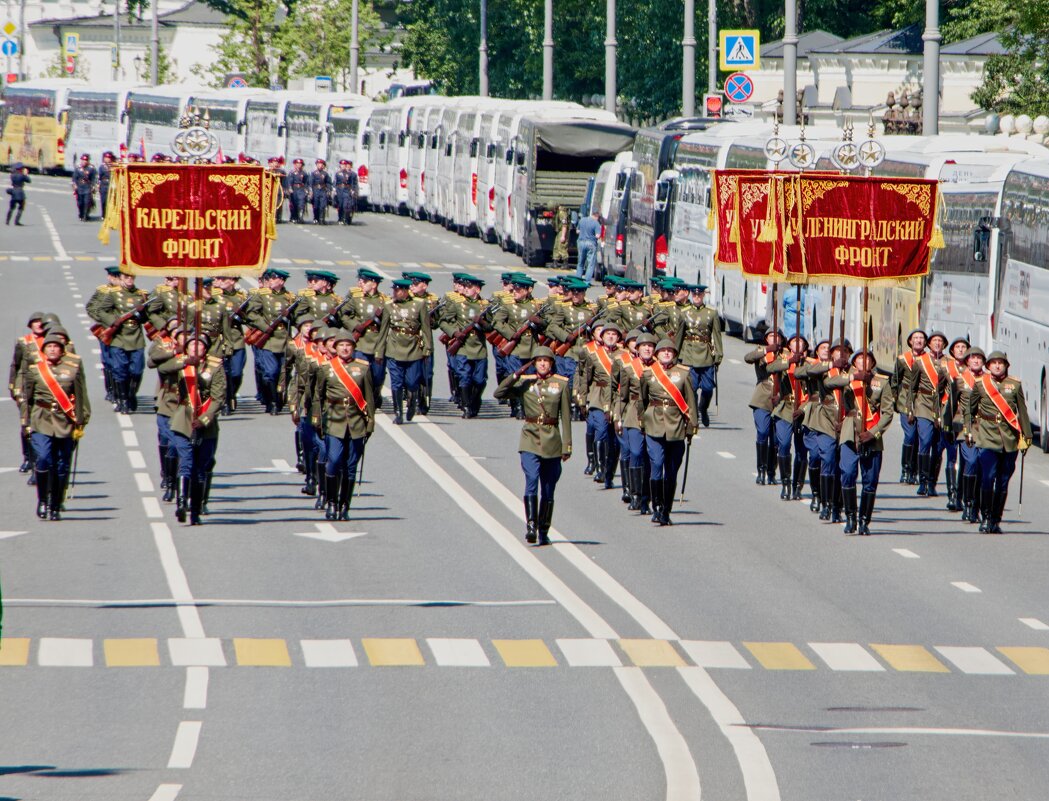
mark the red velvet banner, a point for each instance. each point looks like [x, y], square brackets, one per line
[193, 219]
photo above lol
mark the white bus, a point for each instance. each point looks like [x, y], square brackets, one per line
[1021, 311]
[467, 200]
[307, 122]
[226, 111]
[153, 118]
[34, 123]
[349, 139]
[97, 122]
[422, 128]
[388, 154]
[264, 137]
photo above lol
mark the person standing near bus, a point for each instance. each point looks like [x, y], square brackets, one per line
[104, 174]
[84, 178]
[19, 178]
[589, 229]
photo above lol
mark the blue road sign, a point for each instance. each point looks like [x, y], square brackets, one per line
[9, 47]
[740, 50]
[739, 87]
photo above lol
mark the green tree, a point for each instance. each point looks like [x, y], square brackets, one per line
[319, 37]
[1018, 82]
[57, 67]
[253, 43]
[165, 69]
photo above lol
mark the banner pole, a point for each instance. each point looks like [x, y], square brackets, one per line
[866, 347]
[198, 294]
[833, 304]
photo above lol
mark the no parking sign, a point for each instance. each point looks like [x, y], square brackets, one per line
[739, 87]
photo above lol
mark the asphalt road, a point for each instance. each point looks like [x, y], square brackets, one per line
[422, 651]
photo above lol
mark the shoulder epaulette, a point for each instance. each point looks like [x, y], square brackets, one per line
[215, 361]
[1012, 378]
[163, 288]
[559, 377]
[363, 362]
[384, 296]
[453, 296]
[431, 296]
[336, 299]
[307, 293]
[103, 288]
[357, 292]
[264, 290]
[72, 355]
[666, 303]
[216, 293]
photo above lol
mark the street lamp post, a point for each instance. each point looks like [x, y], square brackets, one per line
[548, 50]
[355, 45]
[154, 47]
[610, 56]
[688, 61]
[790, 64]
[116, 37]
[482, 52]
[931, 70]
[712, 46]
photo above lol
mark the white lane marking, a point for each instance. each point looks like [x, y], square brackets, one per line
[656, 628]
[734, 361]
[266, 602]
[185, 747]
[965, 586]
[130, 439]
[152, 507]
[53, 233]
[1034, 623]
[906, 553]
[196, 652]
[176, 576]
[76, 296]
[1045, 481]
[682, 777]
[726, 455]
[714, 654]
[846, 656]
[589, 653]
[145, 483]
[975, 660]
[750, 753]
[137, 460]
[458, 652]
[8, 534]
[328, 653]
[65, 652]
[1033, 735]
[327, 533]
[196, 695]
[166, 792]
[125, 421]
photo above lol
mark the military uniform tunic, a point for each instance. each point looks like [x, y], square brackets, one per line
[508, 320]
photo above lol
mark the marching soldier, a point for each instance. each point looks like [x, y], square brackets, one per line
[167, 345]
[868, 403]
[1002, 431]
[404, 337]
[420, 289]
[954, 366]
[630, 422]
[26, 348]
[698, 340]
[235, 301]
[969, 483]
[302, 356]
[268, 308]
[610, 283]
[92, 307]
[344, 413]
[518, 319]
[105, 172]
[362, 317]
[463, 321]
[903, 375]
[166, 301]
[543, 447]
[19, 178]
[500, 297]
[632, 312]
[320, 192]
[195, 423]
[127, 350]
[318, 298]
[621, 369]
[929, 382]
[345, 191]
[787, 413]
[84, 177]
[54, 411]
[600, 395]
[298, 185]
[570, 326]
[761, 403]
[670, 421]
[809, 388]
[275, 165]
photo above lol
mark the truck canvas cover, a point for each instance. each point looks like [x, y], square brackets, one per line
[583, 138]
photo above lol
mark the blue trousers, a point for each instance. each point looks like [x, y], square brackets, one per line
[500, 366]
[270, 364]
[586, 260]
[194, 459]
[541, 474]
[165, 439]
[566, 366]
[427, 374]
[763, 426]
[850, 463]
[52, 453]
[378, 370]
[787, 434]
[343, 455]
[633, 442]
[665, 457]
[703, 381]
[470, 372]
[107, 358]
[307, 441]
[515, 363]
[949, 445]
[910, 430]
[234, 363]
[320, 205]
[827, 447]
[929, 438]
[597, 422]
[405, 375]
[126, 364]
[809, 439]
[970, 459]
[996, 468]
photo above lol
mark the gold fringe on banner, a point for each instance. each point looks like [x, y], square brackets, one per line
[936, 238]
[115, 203]
[768, 231]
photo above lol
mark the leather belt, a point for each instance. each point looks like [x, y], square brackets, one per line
[51, 406]
[697, 338]
[543, 421]
[600, 383]
[661, 402]
[924, 391]
[991, 418]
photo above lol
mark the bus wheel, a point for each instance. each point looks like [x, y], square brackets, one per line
[1043, 419]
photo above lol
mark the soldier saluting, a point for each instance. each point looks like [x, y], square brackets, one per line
[698, 340]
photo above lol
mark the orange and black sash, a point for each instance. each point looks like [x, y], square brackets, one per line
[800, 395]
[350, 385]
[837, 393]
[859, 392]
[65, 403]
[930, 370]
[605, 359]
[668, 385]
[990, 387]
[189, 373]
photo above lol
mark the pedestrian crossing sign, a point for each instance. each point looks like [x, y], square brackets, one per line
[740, 50]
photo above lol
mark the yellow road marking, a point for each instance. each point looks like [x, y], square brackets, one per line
[393, 652]
[525, 653]
[429, 264]
[652, 653]
[302, 261]
[3, 258]
[910, 659]
[389, 264]
[85, 258]
[1033, 661]
[261, 652]
[41, 258]
[346, 262]
[141, 652]
[14, 651]
[779, 656]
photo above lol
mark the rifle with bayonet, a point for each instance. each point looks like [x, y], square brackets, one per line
[332, 318]
[563, 347]
[455, 342]
[361, 329]
[106, 334]
[533, 323]
[257, 338]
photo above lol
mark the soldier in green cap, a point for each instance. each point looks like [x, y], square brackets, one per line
[543, 446]
[570, 325]
[420, 289]
[362, 317]
[405, 340]
[463, 322]
[698, 338]
[26, 346]
[632, 312]
[269, 309]
[318, 299]
[520, 320]
[499, 298]
[167, 345]
[235, 300]
[127, 349]
[343, 413]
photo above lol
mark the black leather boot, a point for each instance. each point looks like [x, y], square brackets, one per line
[771, 452]
[591, 456]
[784, 478]
[398, 407]
[814, 485]
[322, 486]
[331, 494]
[836, 508]
[987, 495]
[546, 516]
[924, 466]
[826, 495]
[531, 507]
[762, 459]
[668, 503]
[704, 409]
[634, 477]
[310, 487]
[196, 502]
[643, 486]
[912, 462]
[27, 460]
[848, 496]
[172, 470]
[626, 497]
[424, 399]
[966, 496]
[205, 496]
[610, 462]
[413, 402]
[345, 496]
[182, 502]
[58, 496]
[997, 511]
[300, 465]
[951, 477]
[866, 512]
[935, 463]
[656, 485]
[600, 448]
[798, 483]
[43, 492]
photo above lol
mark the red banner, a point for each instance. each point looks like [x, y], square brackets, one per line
[724, 213]
[192, 219]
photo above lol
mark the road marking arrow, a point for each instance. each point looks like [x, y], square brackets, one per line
[7, 469]
[8, 534]
[279, 466]
[327, 532]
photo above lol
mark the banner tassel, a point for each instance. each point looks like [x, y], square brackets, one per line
[936, 240]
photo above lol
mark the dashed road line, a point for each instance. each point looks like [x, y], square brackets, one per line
[965, 586]
[726, 455]
[136, 459]
[196, 694]
[151, 506]
[185, 748]
[166, 792]
[144, 482]
[1034, 623]
[906, 553]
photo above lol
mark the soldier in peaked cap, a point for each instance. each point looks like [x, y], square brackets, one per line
[84, 179]
[902, 381]
[320, 192]
[519, 311]
[546, 438]
[464, 321]
[763, 401]
[298, 189]
[698, 339]
[405, 338]
[268, 306]
[319, 298]
[127, 349]
[568, 325]
[420, 289]
[234, 300]
[346, 188]
[362, 317]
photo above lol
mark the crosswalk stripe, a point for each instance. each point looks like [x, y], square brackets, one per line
[65, 652]
[326, 262]
[589, 653]
[779, 656]
[261, 652]
[196, 652]
[910, 659]
[281, 261]
[431, 264]
[846, 656]
[458, 652]
[392, 652]
[1034, 623]
[524, 653]
[1031, 660]
[302, 261]
[132, 652]
[652, 653]
[14, 651]
[328, 653]
[714, 654]
[345, 263]
[975, 660]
